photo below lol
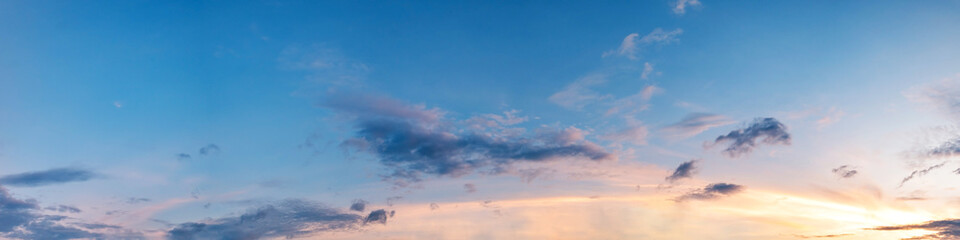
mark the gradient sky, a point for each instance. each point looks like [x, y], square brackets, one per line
[479, 120]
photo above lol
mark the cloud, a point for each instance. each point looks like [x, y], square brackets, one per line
[824, 236]
[845, 171]
[413, 141]
[326, 65]
[636, 134]
[943, 95]
[680, 6]
[288, 218]
[647, 70]
[19, 219]
[946, 149]
[920, 173]
[685, 170]
[358, 205]
[209, 149]
[470, 188]
[134, 200]
[183, 157]
[945, 229]
[633, 44]
[64, 209]
[711, 192]
[832, 116]
[578, 94]
[434, 206]
[742, 141]
[693, 124]
[634, 103]
[379, 216]
[47, 177]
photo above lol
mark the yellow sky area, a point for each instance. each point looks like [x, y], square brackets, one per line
[753, 214]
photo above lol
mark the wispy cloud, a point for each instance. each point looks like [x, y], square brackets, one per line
[693, 124]
[944, 229]
[647, 70]
[20, 219]
[742, 141]
[680, 6]
[943, 95]
[288, 218]
[47, 177]
[578, 94]
[712, 191]
[633, 44]
[920, 173]
[845, 171]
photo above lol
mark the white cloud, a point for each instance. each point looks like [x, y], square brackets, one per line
[633, 44]
[680, 7]
[578, 94]
[647, 70]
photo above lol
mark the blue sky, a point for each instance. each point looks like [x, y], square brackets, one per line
[314, 105]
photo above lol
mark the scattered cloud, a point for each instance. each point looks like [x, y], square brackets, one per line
[711, 192]
[685, 170]
[633, 44]
[945, 229]
[325, 64]
[680, 6]
[358, 205]
[920, 173]
[634, 133]
[286, 219]
[20, 219]
[694, 124]
[647, 70]
[943, 95]
[845, 171]
[414, 141]
[470, 188]
[578, 94]
[434, 206]
[183, 157]
[135, 200]
[634, 103]
[47, 177]
[832, 116]
[64, 209]
[742, 141]
[209, 149]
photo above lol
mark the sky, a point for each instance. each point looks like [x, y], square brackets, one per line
[660, 119]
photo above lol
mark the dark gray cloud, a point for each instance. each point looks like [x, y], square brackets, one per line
[378, 216]
[845, 171]
[945, 229]
[64, 209]
[920, 173]
[289, 218]
[358, 205]
[47, 177]
[209, 149]
[742, 141]
[695, 123]
[712, 191]
[685, 170]
[413, 141]
[21, 219]
[470, 188]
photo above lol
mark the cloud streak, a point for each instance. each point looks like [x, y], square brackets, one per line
[694, 124]
[288, 218]
[920, 173]
[844, 171]
[47, 177]
[945, 229]
[743, 141]
[633, 44]
[711, 192]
